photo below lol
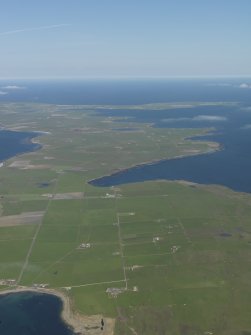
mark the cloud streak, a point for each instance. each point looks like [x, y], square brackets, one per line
[246, 109]
[247, 126]
[18, 31]
[13, 87]
[245, 85]
[179, 119]
[211, 118]
[206, 118]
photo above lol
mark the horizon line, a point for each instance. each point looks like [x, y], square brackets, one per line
[126, 77]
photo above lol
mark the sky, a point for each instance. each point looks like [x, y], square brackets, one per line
[124, 38]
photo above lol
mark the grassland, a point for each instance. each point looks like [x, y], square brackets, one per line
[174, 257]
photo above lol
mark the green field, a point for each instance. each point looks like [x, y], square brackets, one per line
[175, 257]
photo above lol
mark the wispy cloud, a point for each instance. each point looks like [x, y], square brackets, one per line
[18, 31]
[246, 109]
[179, 119]
[219, 84]
[245, 85]
[242, 85]
[247, 126]
[3, 93]
[212, 118]
[207, 118]
[13, 87]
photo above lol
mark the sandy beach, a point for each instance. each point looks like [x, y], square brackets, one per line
[81, 324]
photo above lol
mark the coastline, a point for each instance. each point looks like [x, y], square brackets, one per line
[31, 135]
[80, 324]
[215, 146]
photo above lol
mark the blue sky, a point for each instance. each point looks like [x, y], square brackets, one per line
[139, 38]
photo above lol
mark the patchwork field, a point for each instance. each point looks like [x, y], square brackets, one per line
[160, 257]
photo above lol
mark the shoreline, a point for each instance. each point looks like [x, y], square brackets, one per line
[31, 135]
[80, 324]
[213, 149]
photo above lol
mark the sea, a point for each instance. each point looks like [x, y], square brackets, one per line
[14, 143]
[230, 166]
[230, 126]
[29, 313]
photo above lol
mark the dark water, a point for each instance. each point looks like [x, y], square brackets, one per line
[123, 92]
[13, 143]
[230, 166]
[30, 313]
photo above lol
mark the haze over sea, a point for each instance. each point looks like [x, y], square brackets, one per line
[125, 91]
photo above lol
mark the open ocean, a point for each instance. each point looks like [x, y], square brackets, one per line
[29, 313]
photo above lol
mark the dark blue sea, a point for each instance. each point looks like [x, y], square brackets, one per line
[30, 313]
[230, 166]
[125, 91]
[14, 143]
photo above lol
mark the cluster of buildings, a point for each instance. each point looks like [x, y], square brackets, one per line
[85, 246]
[8, 282]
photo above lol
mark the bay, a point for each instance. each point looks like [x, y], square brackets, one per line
[14, 143]
[29, 313]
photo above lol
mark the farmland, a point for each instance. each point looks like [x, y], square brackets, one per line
[159, 257]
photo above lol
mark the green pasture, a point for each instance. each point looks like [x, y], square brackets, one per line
[178, 254]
